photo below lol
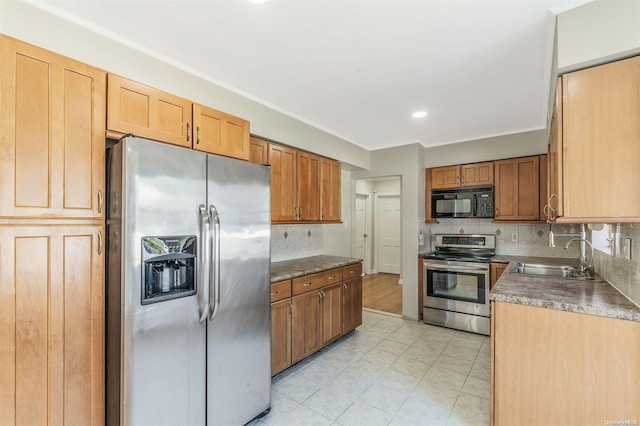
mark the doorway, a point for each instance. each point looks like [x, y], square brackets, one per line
[376, 240]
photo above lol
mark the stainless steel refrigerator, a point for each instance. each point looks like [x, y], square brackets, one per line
[188, 276]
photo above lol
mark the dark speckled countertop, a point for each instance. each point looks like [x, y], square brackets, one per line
[593, 297]
[288, 269]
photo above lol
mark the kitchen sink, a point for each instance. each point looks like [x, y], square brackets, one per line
[564, 271]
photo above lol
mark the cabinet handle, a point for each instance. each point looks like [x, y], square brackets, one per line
[290, 307]
[457, 179]
[274, 293]
[99, 243]
[198, 133]
[322, 213]
[497, 212]
[319, 295]
[462, 178]
[352, 272]
[188, 132]
[99, 200]
[332, 277]
[344, 285]
[306, 284]
[545, 210]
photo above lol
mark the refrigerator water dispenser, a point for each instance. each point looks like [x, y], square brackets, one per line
[168, 268]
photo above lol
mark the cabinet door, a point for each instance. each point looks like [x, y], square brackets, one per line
[330, 190]
[306, 335]
[52, 325]
[601, 142]
[476, 174]
[220, 133]
[582, 378]
[554, 200]
[283, 183]
[52, 136]
[331, 313]
[351, 304]
[496, 271]
[258, 151]
[308, 186]
[280, 336]
[517, 189]
[445, 177]
[147, 112]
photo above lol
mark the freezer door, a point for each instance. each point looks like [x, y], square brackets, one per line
[238, 338]
[163, 355]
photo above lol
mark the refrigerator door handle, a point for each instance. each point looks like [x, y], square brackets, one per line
[203, 276]
[215, 260]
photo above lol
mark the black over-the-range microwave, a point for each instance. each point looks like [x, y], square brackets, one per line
[462, 202]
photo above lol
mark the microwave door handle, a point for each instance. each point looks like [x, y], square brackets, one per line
[475, 205]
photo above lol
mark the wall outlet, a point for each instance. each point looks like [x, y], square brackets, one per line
[514, 237]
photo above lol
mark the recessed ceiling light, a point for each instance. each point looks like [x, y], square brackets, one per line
[419, 114]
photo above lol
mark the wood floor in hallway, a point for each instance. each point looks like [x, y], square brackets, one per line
[382, 293]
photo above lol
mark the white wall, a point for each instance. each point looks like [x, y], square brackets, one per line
[408, 163]
[26, 22]
[489, 149]
[598, 32]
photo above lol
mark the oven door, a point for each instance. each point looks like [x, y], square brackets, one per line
[458, 287]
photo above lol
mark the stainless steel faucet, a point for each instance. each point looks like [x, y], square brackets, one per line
[585, 268]
[581, 236]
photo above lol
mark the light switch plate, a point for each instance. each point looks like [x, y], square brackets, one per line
[514, 237]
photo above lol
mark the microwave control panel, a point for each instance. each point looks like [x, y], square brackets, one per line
[485, 205]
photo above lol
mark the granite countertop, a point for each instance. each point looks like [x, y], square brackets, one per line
[593, 297]
[288, 269]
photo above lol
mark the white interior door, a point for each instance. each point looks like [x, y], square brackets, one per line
[389, 234]
[360, 240]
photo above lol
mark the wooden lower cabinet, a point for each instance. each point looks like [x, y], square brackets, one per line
[322, 309]
[553, 367]
[331, 313]
[52, 325]
[280, 335]
[306, 333]
[495, 272]
[351, 304]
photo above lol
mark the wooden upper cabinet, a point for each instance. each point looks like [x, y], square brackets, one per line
[258, 151]
[517, 189]
[554, 200]
[601, 143]
[283, 183]
[329, 190]
[220, 133]
[52, 325]
[477, 174]
[52, 134]
[445, 177]
[147, 112]
[308, 186]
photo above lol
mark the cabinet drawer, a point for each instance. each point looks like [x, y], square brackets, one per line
[352, 271]
[280, 290]
[316, 281]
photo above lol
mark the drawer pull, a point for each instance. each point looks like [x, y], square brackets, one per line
[352, 272]
[306, 284]
[332, 277]
[344, 285]
[275, 292]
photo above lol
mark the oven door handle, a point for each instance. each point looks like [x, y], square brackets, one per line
[456, 268]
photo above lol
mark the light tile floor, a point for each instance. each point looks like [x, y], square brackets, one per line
[389, 371]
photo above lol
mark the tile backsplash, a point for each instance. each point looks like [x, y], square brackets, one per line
[622, 273]
[294, 241]
[522, 239]
[532, 240]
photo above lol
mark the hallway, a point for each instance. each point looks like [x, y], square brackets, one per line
[381, 292]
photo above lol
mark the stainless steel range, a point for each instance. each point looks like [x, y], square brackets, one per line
[456, 282]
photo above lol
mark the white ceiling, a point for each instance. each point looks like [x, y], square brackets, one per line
[358, 68]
